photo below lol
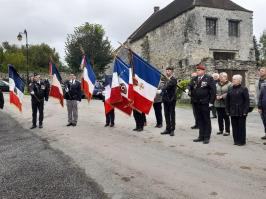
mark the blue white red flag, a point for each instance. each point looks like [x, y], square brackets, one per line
[88, 78]
[16, 87]
[146, 82]
[107, 93]
[56, 90]
[122, 87]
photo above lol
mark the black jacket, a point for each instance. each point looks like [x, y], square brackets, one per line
[237, 101]
[2, 102]
[169, 90]
[203, 91]
[73, 91]
[41, 91]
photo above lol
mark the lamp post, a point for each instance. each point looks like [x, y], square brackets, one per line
[19, 37]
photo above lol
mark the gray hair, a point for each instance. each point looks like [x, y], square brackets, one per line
[238, 77]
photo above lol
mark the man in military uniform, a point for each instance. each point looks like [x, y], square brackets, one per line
[204, 93]
[169, 101]
[72, 96]
[39, 93]
[2, 101]
[139, 119]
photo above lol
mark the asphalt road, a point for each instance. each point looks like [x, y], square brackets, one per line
[30, 168]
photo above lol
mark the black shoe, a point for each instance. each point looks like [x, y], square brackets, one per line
[263, 138]
[219, 133]
[194, 127]
[140, 129]
[33, 127]
[135, 129]
[206, 141]
[74, 124]
[165, 132]
[159, 126]
[106, 125]
[172, 133]
[69, 124]
[241, 144]
[198, 140]
[40, 126]
[112, 125]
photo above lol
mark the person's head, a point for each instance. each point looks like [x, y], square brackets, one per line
[237, 80]
[262, 72]
[215, 76]
[223, 77]
[72, 76]
[169, 71]
[37, 77]
[201, 70]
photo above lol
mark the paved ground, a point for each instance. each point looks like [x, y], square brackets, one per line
[29, 168]
[147, 165]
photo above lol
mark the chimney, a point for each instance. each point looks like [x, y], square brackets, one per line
[156, 8]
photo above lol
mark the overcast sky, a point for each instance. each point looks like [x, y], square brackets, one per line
[50, 21]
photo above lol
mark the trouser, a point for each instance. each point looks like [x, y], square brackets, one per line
[223, 118]
[37, 106]
[72, 110]
[263, 118]
[139, 119]
[239, 129]
[195, 115]
[203, 115]
[110, 117]
[169, 113]
[213, 111]
[158, 113]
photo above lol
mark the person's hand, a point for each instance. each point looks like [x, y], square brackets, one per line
[32, 92]
[66, 89]
[158, 92]
[210, 105]
[186, 91]
[259, 110]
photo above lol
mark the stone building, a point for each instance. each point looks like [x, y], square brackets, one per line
[186, 32]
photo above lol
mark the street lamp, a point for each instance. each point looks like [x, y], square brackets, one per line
[19, 37]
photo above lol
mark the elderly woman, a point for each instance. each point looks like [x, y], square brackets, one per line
[237, 105]
[222, 88]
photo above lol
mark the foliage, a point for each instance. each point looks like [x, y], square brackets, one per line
[91, 38]
[183, 85]
[263, 48]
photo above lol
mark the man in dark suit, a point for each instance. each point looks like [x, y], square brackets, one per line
[203, 91]
[169, 101]
[72, 96]
[39, 92]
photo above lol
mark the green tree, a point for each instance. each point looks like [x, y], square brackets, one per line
[263, 48]
[257, 50]
[92, 39]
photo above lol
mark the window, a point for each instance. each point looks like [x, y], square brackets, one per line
[224, 55]
[233, 28]
[211, 25]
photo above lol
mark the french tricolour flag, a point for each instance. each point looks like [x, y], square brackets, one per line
[122, 87]
[146, 82]
[88, 79]
[56, 90]
[107, 93]
[16, 88]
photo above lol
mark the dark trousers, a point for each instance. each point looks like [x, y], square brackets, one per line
[213, 111]
[37, 106]
[158, 113]
[139, 119]
[195, 115]
[169, 114]
[110, 117]
[204, 119]
[239, 129]
[263, 118]
[223, 118]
